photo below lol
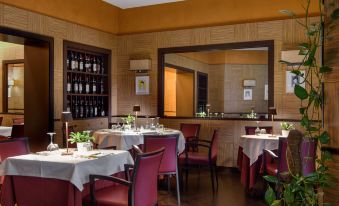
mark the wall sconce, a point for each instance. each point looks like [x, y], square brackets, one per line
[249, 83]
[140, 65]
[292, 56]
[10, 84]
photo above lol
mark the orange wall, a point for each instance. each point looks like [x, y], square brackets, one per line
[186, 14]
[92, 13]
[197, 13]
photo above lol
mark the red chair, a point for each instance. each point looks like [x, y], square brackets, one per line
[19, 120]
[202, 159]
[140, 190]
[13, 147]
[18, 131]
[169, 163]
[190, 132]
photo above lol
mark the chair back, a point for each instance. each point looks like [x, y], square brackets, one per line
[214, 145]
[18, 130]
[144, 190]
[18, 120]
[251, 130]
[13, 147]
[190, 130]
[307, 156]
[170, 143]
[282, 157]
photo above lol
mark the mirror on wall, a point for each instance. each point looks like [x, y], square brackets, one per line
[219, 81]
[12, 58]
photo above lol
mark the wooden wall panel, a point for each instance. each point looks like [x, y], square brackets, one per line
[16, 18]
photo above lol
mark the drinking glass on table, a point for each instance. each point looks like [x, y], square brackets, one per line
[52, 147]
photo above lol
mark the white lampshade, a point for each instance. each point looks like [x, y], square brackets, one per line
[292, 56]
[140, 64]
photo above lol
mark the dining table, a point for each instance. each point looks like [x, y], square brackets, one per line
[125, 139]
[51, 178]
[250, 157]
[5, 131]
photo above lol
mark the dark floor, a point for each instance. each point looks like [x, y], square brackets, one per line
[199, 193]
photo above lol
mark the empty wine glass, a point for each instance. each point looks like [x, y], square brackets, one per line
[257, 130]
[52, 147]
[152, 127]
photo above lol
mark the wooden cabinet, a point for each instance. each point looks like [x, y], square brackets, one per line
[87, 81]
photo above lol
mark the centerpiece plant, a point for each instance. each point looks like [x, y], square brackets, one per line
[82, 140]
[300, 189]
[129, 119]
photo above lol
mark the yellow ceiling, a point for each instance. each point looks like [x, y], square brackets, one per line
[185, 14]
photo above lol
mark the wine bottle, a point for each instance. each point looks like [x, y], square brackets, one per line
[69, 85]
[72, 61]
[76, 109]
[86, 109]
[94, 65]
[102, 89]
[102, 108]
[87, 64]
[81, 63]
[75, 85]
[99, 65]
[73, 108]
[82, 109]
[68, 108]
[102, 67]
[81, 88]
[68, 62]
[91, 110]
[94, 86]
[95, 108]
[87, 85]
[76, 62]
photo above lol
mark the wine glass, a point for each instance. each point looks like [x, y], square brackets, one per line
[257, 130]
[52, 147]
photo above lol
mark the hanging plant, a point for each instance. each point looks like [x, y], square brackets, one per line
[306, 190]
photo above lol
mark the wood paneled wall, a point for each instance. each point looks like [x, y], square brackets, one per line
[283, 32]
[20, 19]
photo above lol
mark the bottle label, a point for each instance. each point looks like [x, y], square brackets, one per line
[72, 64]
[76, 88]
[87, 88]
[68, 87]
[94, 88]
[80, 88]
[94, 67]
[81, 67]
[95, 111]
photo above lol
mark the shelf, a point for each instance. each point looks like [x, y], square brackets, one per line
[87, 73]
[87, 95]
[86, 118]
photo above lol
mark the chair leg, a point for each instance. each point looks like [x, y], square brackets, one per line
[169, 183]
[212, 177]
[186, 171]
[178, 188]
[216, 175]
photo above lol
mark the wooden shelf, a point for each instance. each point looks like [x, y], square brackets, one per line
[86, 73]
[87, 118]
[87, 95]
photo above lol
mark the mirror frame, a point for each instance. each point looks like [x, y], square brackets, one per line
[227, 46]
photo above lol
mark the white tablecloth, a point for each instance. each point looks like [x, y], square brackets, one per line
[124, 140]
[74, 168]
[5, 131]
[253, 145]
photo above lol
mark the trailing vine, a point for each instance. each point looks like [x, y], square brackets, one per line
[307, 190]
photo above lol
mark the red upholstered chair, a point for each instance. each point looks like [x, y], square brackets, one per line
[276, 164]
[190, 132]
[193, 159]
[18, 130]
[169, 163]
[13, 147]
[140, 190]
[19, 120]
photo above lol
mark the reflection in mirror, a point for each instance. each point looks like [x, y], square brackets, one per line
[221, 83]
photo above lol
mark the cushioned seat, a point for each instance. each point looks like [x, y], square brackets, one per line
[117, 195]
[197, 158]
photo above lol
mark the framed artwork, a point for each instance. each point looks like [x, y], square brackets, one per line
[142, 85]
[292, 80]
[247, 94]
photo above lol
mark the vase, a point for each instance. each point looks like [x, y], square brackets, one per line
[285, 133]
[82, 146]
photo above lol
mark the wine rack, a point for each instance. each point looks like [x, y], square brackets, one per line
[86, 81]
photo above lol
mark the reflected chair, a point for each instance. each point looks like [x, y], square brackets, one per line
[169, 163]
[18, 130]
[1, 118]
[198, 159]
[190, 132]
[13, 147]
[18, 120]
[138, 190]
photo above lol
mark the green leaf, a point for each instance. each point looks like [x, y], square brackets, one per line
[270, 196]
[326, 155]
[335, 14]
[324, 138]
[300, 92]
[288, 195]
[325, 69]
[276, 203]
[296, 72]
[285, 62]
[288, 12]
[304, 46]
[302, 110]
[305, 122]
[270, 178]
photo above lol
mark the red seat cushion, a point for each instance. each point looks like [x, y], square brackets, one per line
[271, 168]
[115, 195]
[196, 158]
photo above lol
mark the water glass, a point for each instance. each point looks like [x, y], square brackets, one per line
[52, 147]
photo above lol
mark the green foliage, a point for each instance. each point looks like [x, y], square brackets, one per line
[129, 119]
[78, 137]
[201, 114]
[286, 126]
[298, 189]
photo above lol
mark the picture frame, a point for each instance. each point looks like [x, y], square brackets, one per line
[247, 94]
[293, 79]
[142, 85]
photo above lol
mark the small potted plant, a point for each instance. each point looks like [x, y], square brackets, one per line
[128, 121]
[286, 128]
[82, 139]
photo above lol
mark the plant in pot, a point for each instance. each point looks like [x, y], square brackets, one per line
[128, 121]
[82, 139]
[286, 128]
[300, 188]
